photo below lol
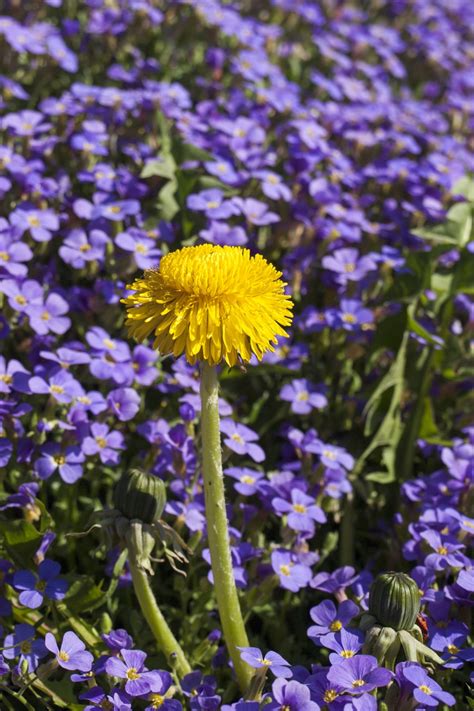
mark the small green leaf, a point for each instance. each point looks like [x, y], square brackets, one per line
[21, 539]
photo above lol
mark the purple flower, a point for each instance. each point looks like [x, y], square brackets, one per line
[33, 589]
[445, 552]
[247, 479]
[303, 397]
[116, 211]
[359, 674]
[139, 680]
[71, 655]
[302, 511]
[345, 644]
[12, 254]
[61, 386]
[328, 618]
[21, 642]
[256, 212]
[293, 576]
[241, 439]
[78, 248]
[348, 265]
[331, 456]
[124, 403]
[273, 185]
[117, 640]
[40, 223]
[273, 661]
[144, 249]
[7, 371]
[336, 581]
[291, 696]
[49, 316]
[213, 204]
[68, 461]
[221, 233]
[425, 690]
[22, 297]
[104, 442]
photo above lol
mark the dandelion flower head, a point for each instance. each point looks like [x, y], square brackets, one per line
[212, 303]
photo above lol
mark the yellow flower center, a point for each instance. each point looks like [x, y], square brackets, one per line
[63, 656]
[212, 204]
[442, 550]
[141, 248]
[58, 389]
[85, 247]
[60, 459]
[237, 438]
[265, 662]
[132, 674]
[335, 626]
[347, 653]
[157, 700]
[452, 649]
[358, 682]
[4, 256]
[211, 303]
[33, 221]
[115, 209]
[84, 400]
[246, 479]
[302, 396]
[329, 454]
[25, 647]
[5, 378]
[349, 318]
[349, 268]
[299, 508]
[101, 442]
[425, 689]
[20, 300]
[329, 695]
[285, 570]
[108, 343]
[45, 316]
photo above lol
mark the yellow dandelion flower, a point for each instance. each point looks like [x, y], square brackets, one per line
[212, 303]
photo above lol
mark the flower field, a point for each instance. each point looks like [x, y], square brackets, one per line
[236, 370]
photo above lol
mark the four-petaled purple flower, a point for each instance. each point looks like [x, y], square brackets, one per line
[291, 696]
[241, 439]
[303, 396]
[425, 690]
[21, 642]
[139, 681]
[72, 654]
[272, 660]
[33, 589]
[328, 618]
[359, 674]
[301, 512]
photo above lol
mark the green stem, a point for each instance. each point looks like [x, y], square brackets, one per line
[217, 529]
[167, 642]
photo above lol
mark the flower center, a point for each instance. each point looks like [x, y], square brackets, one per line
[358, 682]
[329, 454]
[303, 396]
[101, 442]
[452, 649]
[25, 647]
[335, 626]
[63, 656]
[132, 674]
[157, 700]
[349, 318]
[33, 221]
[329, 696]
[84, 400]
[349, 268]
[347, 653]
[45, 316]
[237, 438]
[5, 378]
[212, 204]
[20, 300]
[246, 479]
[299, 508]
[285, 570]
[265, 662]
[141, 248]
[57, 389]
[425, 689]
[4, 256]
[115, 209]
[108, 343]
[442, 550]
[85, 247]
[60, 459]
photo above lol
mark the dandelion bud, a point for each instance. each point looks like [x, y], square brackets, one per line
[394, 601]
[141, 496]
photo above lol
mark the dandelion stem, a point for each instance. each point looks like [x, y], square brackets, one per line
[167, 642]
[217, 529]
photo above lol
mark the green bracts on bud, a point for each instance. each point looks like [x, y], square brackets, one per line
[141, 496]
[394, 601]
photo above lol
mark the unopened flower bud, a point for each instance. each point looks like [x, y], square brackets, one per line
[394, 600]
[140, 496]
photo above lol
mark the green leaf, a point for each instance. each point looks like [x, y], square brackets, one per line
[463, 277]
[164, 167]
[417, 328]
[465, 187]
[167, 202]
[84, 595]
[428, 426]
[21, 540]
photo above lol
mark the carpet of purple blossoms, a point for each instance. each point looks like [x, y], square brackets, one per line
[329, 136]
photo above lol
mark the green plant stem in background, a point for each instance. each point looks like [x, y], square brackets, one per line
[217, 529]
[167, 642]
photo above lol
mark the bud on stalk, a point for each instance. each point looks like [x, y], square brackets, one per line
[394, 601]
[138, 495]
